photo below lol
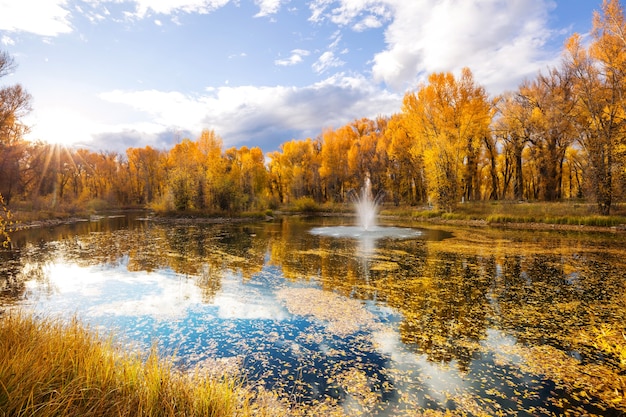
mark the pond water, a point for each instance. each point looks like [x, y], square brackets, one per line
[468, 320]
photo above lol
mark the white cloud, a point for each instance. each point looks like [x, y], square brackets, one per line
[45, 18]
[52, 17]
[251, 114]
[166, 7]
[326, 61]
[164, 108]
[368, 22]
[267, 7]
[295, 58]
[349, 10]
[501, 41]
[498, 39]
[7, 40]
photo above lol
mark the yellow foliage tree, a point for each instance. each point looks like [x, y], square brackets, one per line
[334, 168]
[295, 170]
[599, 72]
[449, 119]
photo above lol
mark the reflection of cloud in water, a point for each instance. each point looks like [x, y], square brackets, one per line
[164, 305]
[438, 379]
[64, 278]
[116, 291]
[442, 381]
[159, 294]
[239, 301]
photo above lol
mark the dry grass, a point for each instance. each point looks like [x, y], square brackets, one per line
[565, 212]
[559, 213]
[48, 368]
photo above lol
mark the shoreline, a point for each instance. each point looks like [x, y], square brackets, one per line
[539, 226]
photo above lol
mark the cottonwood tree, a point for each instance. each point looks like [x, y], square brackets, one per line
[599, 71]
[449, 119]
[295, 170]
[405, 163]
[365, 157]
[247, 176]
[549, 129]
[15, 103]
[334, 169]
[146, 174]
[513, 129]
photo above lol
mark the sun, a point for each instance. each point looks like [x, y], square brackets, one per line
[60, 126]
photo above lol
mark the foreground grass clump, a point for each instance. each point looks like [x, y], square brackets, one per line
[48, 368]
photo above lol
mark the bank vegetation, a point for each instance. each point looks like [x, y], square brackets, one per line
[51, 368]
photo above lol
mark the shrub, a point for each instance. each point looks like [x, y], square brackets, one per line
[305, 205]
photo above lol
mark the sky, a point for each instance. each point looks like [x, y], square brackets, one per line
[107, 75]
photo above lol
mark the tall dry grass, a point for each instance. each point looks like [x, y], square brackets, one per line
[49, 368]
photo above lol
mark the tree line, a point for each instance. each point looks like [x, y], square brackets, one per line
[558, 136]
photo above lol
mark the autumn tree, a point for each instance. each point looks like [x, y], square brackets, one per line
[146, 174]
[334, 169]
[599, 72]
[449, 119]
[213, 168]
[15, 103]
[186, 175]
[57, 170]
[245, 179]
[405, 176]
[295, 170]
[514, 131]
[552, 105]
[365, 158]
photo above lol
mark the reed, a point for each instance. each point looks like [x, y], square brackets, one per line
[49, 368]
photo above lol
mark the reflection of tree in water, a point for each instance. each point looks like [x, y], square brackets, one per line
[539, 301]
[210, 283]
[19, 266]
[448, 299]
[448, 294]
[442, 297]
[446, 308]
[206, 252]
[12, 285]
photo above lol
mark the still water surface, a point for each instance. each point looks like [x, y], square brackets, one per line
[469, 320]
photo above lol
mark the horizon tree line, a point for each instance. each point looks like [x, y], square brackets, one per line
[558, 136]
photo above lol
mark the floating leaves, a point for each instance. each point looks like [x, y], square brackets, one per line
[342, 316]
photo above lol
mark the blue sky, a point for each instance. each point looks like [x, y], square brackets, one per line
[111, 74]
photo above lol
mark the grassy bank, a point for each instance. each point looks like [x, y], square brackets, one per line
[512, 213]
[51, 369]
[508, 212]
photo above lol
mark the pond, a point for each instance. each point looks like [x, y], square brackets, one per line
[477, 321]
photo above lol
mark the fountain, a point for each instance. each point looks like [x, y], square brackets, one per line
[366, 207]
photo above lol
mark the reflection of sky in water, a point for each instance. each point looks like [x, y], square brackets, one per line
[297, 354]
